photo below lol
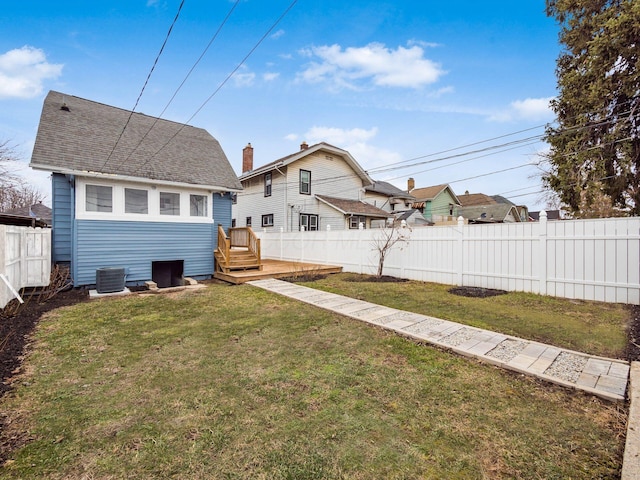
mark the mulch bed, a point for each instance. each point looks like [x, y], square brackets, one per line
[477, 292]
[16, 330]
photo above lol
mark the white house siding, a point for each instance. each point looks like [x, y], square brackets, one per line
[381, 201]
[331, 175]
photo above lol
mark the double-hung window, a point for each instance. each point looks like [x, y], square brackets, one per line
[267, 184]
[355, 221]
[308, 222]
[305, 182]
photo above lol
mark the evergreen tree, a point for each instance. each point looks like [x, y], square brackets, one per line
[595, 145]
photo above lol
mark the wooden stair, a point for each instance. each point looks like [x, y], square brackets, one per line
[238, 251]
[238, 260]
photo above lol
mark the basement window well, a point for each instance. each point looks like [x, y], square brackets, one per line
[167, 273]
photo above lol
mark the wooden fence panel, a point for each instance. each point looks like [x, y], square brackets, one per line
[25, 259]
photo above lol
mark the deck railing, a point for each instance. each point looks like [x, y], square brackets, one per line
[245, 237]
[239, 239]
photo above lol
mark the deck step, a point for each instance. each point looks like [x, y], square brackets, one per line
[238, 260]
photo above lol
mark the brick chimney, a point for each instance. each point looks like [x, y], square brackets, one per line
[411, 184]
[247, 158]
[304, 146]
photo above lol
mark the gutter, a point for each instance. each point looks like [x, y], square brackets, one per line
[128, 178]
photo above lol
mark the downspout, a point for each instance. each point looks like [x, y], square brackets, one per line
[285, 203]
[74, 228]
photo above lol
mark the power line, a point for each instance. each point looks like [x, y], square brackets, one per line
[222, 84]
[166, 39]
[175, 93]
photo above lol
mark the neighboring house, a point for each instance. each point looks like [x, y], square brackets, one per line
[438, 203]
[412, 217]
[131, 191]
[388, 197]
[551, 215]
[37, 211]
[481, 208]
[318, 187]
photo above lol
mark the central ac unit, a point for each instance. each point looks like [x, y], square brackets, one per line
[110, 279]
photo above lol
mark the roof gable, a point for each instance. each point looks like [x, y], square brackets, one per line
[322, 146]
[497, 212]
[353, 207]
[78, 136]
[430, 193]
[475, 199]
[386, 188]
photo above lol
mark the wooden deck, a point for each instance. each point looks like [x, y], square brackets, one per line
[277, 269]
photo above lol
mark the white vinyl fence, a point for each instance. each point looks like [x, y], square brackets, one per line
[582, 259]
[25, 259]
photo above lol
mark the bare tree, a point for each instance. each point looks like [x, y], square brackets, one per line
[8, 157]
[14, 191]
[388, 237]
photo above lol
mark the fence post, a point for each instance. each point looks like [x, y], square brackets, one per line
[460, 250]
[543, 252]
[3, 248]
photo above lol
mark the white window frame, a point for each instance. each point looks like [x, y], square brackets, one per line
[310, 219]
[267, 220]
[153, 199]
[97, 211]
[137, 190]
[358, 220]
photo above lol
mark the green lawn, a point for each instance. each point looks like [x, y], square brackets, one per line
[235, 382]
[591, 327]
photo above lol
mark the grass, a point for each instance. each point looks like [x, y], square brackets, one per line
[234, 382]
[590, 327]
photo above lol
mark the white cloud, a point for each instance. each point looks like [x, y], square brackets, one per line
[244, 79]
[339, 136]
[381, 66]
[292, 137]
[528, 109]
[270, 76]
[23, 71]
[277, 34]
[355, 141]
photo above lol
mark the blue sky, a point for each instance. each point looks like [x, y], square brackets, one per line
[393, 82]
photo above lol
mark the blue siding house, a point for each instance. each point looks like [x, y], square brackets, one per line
[131, 191]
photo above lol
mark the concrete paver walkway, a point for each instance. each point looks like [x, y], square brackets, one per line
[605, 377]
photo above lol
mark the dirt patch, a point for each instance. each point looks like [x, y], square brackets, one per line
[15, 330]
[373, 278]
[633, 334]
[476, 292]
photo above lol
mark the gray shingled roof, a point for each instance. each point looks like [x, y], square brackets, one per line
[496, 212]
[80, 137]
[37, 210]
[386, 188]
[353, 207]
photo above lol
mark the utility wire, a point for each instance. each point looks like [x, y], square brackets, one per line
[222, 84]
[215, 35]
[166, 39]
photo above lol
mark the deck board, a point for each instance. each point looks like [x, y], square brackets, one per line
[277, 269]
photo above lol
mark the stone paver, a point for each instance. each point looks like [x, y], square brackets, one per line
[604, 377]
